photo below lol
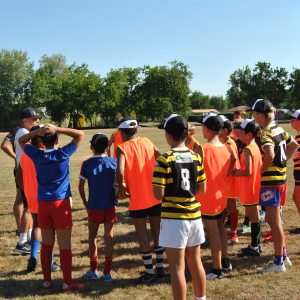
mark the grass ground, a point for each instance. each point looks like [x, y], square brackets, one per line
[242, 283]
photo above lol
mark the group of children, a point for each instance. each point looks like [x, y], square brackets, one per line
[169, 189]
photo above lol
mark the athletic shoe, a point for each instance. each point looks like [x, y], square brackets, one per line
[272, 267]
[23, 248]
[91, 275]
[262, 214]
[269, 233]
[287, 262]
[232, 240]
[55, 267]
[249, 252]
[107, 277]
[47, 285]
[244, 229]
[160, 274]
[295, 231]
[74, 286]
[146, 278]
[226, 266]
[259, 248]
[31, 266]
[212, 275]
[270, 238]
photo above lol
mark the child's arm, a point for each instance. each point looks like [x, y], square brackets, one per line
[110, 142]
[201, 188]
[82, 192]
[248, 165]
[120, 174]
[196, 144]
[158, 192]
[24, 140]
[156, 152]
[19, 177]
[199, 150]
[268, 158]
[233, 158]
[291, 149]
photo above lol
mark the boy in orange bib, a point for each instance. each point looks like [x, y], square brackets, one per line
[190, 142]
[115, 139]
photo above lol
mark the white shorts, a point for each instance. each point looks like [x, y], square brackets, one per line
[181, 234]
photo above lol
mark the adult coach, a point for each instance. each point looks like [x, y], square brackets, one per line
[29, 117]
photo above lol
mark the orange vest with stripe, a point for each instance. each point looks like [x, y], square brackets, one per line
[118, 141]
[216, 164]
[191, 145]
[29, 182]
[139, 169]
[250, 185]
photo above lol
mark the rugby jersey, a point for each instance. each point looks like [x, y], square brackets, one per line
[179, 171]
[273, 135]
[297, 153]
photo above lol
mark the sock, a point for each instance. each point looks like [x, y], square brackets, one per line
[23, 238]
[108, 264]
[224, 216]
[255, 234]
[159, 253]
[246, 221]
[284, 253]
[29, 234]
[93, 263]
[66, 265]
[278, 260]
[147, 259]
[34, 248]
[234, 222]
[46, 253]
[217, 271]
[200, 298]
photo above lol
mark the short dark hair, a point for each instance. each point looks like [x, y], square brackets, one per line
[34, 141]
[178, 138]
[49, 141]
[130, 131]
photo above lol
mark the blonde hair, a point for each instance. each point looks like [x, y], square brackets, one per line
[238, 121]
[192, 128]
[270, 116]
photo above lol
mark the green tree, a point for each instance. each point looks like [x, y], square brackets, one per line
[217, 102]
[199, 101]
[294, 90]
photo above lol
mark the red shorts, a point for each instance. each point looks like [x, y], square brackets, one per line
[55, 214]
[102, 216]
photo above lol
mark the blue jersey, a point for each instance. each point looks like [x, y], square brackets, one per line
[52, 171]
[100, 171]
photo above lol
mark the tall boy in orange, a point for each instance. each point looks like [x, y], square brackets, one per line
[218, 159]
[115, 139]
[135, 164]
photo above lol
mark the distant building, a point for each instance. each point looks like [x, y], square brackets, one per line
[242, 107]
[202, 112]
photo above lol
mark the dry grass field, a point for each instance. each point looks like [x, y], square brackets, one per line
[242, 283]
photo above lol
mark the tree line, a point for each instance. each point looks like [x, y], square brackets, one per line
[65, 91]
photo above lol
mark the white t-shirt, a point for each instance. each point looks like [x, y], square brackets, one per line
[18, 148]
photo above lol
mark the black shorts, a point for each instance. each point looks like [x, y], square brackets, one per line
[153, 211]
[297, 177]
[214, 217]
[22, 192]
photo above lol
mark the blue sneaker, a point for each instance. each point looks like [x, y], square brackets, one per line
[244, 229]
[107, 277]
[262, 214]
[91, 275]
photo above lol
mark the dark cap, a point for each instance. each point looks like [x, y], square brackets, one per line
[30, 113]
[213, 122]
[262, 106]
[249, 126]
[296, 115]
[175, 125]
[99, 139]
[226, 123]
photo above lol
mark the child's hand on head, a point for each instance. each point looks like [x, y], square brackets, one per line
[50, 130]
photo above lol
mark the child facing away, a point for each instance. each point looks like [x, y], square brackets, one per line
[115, 139]
[249, 183]
[190, 142]
[100, 172]
[295, 122]
[178, 176]
[54, 192]
[219, 159]
[273, 191]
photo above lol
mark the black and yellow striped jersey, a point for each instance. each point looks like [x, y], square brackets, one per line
[179, 171]
[273, 135]
[297, 153]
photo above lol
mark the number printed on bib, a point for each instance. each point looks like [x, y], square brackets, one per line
[185, 182]
[282, 146]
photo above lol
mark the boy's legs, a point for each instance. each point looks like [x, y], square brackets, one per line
[18, 209]
[253, 213]
[194, 262]
[223, 238]
[109, 249]
[155, 228]
[232, 211]
[93, 253]
[35, 243]
[296, 198]
[48, 237]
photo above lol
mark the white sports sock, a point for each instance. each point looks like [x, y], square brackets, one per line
[200, 298]
[23, 238]
[29, 234]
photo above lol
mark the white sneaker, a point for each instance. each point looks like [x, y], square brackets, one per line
[212, 275]
[271, 267]
[287, 262]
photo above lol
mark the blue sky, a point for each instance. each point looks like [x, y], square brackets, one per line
[214, 38]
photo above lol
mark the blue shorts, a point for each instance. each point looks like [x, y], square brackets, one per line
[273, 195]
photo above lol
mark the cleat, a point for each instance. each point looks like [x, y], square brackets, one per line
[55, 267]
[91, 275]
[295, 231]
[107, 277]
[259, 248]
[226, 266]
[249, 252]
[213, 275]
[160, 274]
[23, 248]
[47, 285]
[244, 229]
[232, 240]
[287, 262]
[146, 278]
[269, 233]
[74, 286]
[272, 267]
[31, 266]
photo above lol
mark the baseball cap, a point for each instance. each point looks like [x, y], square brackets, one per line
[125, 123]
[175, 125]
[99, 139]
[261, 105]
[30, 113]
[296, 115]
[213, 122]
[248, 126]
[226, 123]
